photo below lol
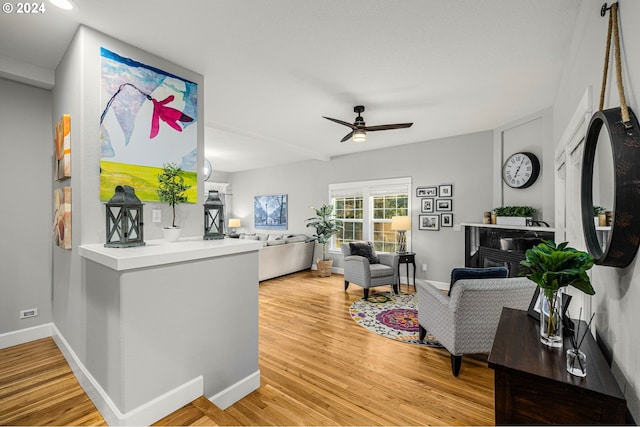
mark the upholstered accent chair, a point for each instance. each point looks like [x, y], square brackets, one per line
[465, 321]
[366, 268]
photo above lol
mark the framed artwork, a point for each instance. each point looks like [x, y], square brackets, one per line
[270, 212]
[536, 304]
[426, 191]
[426, 205]
[149, 118]
[429, 222]
[62, 140]
[444, 205]
[445, 190]
[446, 219]
[62, 217]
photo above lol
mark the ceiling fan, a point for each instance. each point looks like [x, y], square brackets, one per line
[359, 129]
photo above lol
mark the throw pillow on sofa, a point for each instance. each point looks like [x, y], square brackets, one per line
[364, 249]
[296, 239]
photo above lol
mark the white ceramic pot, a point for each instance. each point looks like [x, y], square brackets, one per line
[171, 234]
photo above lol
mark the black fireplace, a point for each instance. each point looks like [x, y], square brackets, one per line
[496, 246]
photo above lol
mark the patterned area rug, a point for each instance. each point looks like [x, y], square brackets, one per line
[392, 316]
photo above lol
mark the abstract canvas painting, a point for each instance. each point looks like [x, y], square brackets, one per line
[149, 117]
[270, 212]
[62, 142]
[62, 217]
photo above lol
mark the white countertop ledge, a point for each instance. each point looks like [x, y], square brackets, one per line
[160, 252]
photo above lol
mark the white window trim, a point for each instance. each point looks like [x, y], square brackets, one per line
[366, 189]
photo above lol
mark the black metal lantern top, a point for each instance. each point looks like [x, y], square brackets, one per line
[124, 223]
[213, 217]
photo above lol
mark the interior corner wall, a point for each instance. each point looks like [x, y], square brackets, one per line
[466, 161]
[530, 134]
[77, 92]
[26, 174]
[617, 289]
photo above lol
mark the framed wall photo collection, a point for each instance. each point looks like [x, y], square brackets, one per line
[437, 202]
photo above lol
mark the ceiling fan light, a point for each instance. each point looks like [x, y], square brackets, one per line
[62, 4]
[359, 135]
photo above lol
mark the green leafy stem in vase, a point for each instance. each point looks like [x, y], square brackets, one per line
[553, 266]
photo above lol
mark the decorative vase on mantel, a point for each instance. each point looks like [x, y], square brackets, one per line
[551, 317]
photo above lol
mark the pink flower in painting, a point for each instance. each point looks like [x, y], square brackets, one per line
[169, 115]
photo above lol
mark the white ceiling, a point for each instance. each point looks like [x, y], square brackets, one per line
[273, 68]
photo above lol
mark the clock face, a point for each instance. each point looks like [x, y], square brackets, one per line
[521, 170]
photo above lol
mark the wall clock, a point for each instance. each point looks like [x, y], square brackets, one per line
[521, 170]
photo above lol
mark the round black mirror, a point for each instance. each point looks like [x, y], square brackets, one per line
[617, 185]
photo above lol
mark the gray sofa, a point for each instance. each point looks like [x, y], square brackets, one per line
[282, 253]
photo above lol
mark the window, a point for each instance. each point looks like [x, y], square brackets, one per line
[366, 209]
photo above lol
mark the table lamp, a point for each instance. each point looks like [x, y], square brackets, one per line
[401, 224]
[233, 224]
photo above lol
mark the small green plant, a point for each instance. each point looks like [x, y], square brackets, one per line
[598, 210]
[326, 226]
[522, 211]
[172, 187]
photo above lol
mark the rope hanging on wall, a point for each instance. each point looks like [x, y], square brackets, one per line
[614, 31]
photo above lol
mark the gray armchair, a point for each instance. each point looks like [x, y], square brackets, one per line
[466, 321]
[359, 270]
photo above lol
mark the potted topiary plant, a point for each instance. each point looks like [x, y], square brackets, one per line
[326, 226]
[171, 190]
[514, 215]
[553, 267]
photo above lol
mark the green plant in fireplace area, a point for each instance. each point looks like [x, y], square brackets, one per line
[172, 187]
[598, 210]
[522, 211]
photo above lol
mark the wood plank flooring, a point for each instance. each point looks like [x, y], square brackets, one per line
[37, 387]
[318, 367]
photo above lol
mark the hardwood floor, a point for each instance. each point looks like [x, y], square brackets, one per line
[318, 367]
[37, 387]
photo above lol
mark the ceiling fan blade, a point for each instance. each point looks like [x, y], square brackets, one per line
[347, 137]
[342, 122]
[387, 127]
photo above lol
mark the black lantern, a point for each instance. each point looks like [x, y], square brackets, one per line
[213, 217]
[124, 219]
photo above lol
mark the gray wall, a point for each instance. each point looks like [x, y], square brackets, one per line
[617, 290]
[77, 92]
[465, 161]
[25, 181]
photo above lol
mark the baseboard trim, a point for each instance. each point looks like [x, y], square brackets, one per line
[237, 391]
[145, 414]
[22, 336]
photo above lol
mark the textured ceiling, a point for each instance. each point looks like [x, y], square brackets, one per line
[273, 68]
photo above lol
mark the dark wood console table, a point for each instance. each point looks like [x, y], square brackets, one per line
[532, 385]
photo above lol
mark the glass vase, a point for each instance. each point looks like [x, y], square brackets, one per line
[551, 318]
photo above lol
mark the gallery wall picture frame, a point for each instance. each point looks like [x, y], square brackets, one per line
[429, 222]
[444, 205]
[446, 219]
[426, 191]
[426, 205]
[445, 190]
